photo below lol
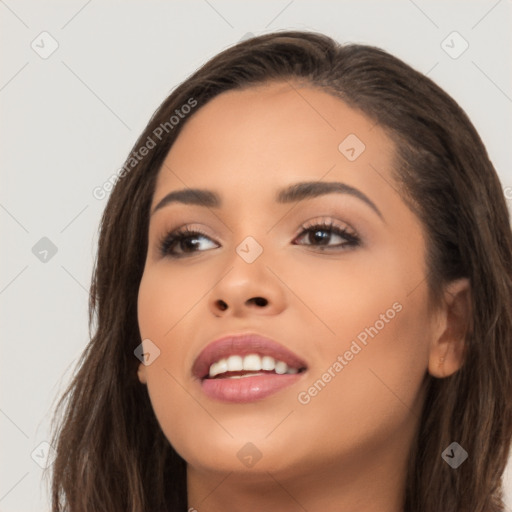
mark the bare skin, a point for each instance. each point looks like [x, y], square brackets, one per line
[347, 447]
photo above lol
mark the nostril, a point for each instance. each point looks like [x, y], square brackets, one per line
[222, 305]
[260, 301]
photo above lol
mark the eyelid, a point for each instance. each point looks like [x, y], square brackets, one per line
[357, 222]
[180, 231]
[165, 231]
[328, 221]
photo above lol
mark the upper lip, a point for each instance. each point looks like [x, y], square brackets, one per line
[243, 344]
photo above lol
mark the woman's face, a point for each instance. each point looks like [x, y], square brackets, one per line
[351, 307]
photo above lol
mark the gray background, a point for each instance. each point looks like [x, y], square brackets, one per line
[70, 119]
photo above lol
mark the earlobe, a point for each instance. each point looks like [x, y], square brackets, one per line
[141, 373]
[449, 346]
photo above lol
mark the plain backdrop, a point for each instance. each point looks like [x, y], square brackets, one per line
[80, 79]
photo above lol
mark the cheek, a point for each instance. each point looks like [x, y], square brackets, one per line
[343, 298]
[165, 310]
[165, 299]
[157, 312]
[382, 334]
[376, 387]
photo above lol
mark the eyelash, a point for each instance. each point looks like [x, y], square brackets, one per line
[169, 240]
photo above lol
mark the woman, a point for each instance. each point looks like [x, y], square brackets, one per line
[303, 296]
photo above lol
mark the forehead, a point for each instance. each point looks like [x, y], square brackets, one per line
[271, 134]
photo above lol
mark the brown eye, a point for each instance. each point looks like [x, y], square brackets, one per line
[181, 242]
[321, 234]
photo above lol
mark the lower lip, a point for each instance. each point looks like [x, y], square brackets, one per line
[247, 389]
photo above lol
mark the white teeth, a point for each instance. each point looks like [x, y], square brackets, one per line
[235, 363]
[219, 367]
[251, 362]
[281, 367]
[222, 366]
[213, 370]
[268, 363]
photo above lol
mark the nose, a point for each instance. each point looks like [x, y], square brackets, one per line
[247, 289]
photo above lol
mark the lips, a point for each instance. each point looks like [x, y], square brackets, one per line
[245, 345]
[246, 368]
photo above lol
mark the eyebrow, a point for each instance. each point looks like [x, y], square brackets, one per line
[293, 193]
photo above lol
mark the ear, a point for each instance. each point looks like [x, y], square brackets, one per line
[448, 346]
[141, 373]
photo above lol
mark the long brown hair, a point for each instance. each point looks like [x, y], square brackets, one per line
[111, 452]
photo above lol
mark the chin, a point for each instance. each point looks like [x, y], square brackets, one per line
[242, 457]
